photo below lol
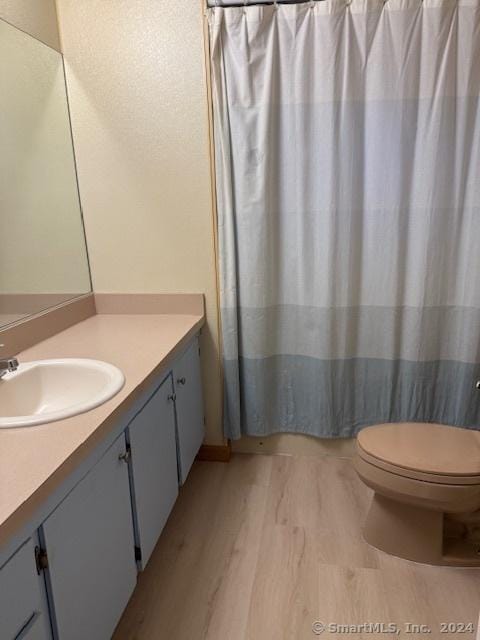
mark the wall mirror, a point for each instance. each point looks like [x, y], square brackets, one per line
[43, 255]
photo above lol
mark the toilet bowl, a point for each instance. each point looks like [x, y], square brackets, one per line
[426, 483]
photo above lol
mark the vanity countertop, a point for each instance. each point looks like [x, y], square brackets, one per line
[35, 460]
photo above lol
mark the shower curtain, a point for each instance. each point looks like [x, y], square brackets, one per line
[347, 142]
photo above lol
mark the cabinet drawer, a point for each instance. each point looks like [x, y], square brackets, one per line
[22, 601]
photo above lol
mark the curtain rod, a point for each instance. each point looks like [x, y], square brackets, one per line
[240, 3]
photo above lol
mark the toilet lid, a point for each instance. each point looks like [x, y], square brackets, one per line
[424, 447]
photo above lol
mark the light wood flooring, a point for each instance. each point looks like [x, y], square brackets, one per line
[264, 546]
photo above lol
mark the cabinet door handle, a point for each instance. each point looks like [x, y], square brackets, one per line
[181, 380]
[41, 559]
[172, 397]
[125, 457]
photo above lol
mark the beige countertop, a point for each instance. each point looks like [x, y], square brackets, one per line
[35, 460]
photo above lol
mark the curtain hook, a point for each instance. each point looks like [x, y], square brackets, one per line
[245, 7]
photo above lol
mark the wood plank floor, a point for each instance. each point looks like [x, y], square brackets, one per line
[262, 547]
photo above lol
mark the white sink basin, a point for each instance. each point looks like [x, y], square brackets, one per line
[48, 390]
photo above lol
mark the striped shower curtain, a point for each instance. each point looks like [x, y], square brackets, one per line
[347, 138]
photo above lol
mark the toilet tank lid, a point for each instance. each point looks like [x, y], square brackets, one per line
[427, 447]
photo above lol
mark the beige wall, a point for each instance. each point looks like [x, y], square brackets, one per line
[36, 17]
[137, 92]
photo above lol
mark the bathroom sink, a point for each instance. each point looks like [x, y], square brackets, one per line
[47, 390]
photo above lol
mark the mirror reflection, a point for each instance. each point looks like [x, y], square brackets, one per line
[43, 256]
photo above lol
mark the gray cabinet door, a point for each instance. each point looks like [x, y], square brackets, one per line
[23, 610]
[153, 467]
[37, 628]
[91, 560]
[189, 405]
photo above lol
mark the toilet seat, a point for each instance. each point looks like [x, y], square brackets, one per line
[431, 453]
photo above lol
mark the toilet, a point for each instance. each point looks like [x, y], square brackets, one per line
[426, 483]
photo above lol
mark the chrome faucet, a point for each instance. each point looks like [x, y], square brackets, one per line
[8, 365]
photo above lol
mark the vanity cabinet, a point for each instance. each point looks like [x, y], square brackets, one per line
[90, 549]
[153, 468]
[73, 577]
[189, 408]
[23, 607]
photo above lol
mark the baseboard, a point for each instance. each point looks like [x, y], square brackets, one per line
[295, 444]
[215, 453]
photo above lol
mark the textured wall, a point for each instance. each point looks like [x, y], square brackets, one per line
[138, 102]
[36, 17]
